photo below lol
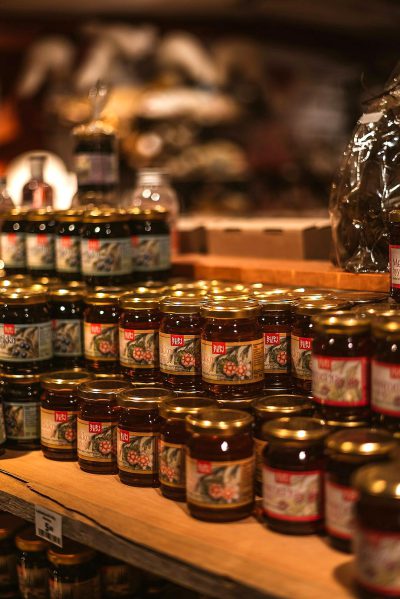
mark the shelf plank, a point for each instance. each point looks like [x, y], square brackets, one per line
[228, 561]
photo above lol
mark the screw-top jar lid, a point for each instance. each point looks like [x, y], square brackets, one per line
[379, 480]
[234, 308]
[71, 553]
[34, 294]
[362, 442]
[65, 380]
[387, 324]
[156, 213]
[282, 404]
[104, 298]
[340, 324]
[217, 421]
[59, 295]
[359, 298]
[104, 216]
[26, 540]
[142, 398]
[346, 425]
[48, 282]
[297, 428]
[149, 291]
[130, 301]
[42, 214]
[114, 376]
[20, 379]
[244, 403]
[307, 306]
[102, 389]
[180, 407]
[69, 216]
[16, 214]
[267, 290]
[275, 302]
[181, 305]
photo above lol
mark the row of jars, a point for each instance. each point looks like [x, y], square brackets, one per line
[103, 247]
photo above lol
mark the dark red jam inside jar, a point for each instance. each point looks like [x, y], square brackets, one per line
[293, 460]
[12, 242]
[347, 451]
[151, 244]
[73, 571]
[59, 412]
[97, 425]
[21, 405]
[341, 366]
[32, 565]
[394, 254]
[68, 244]
[66, 311]
[171, 463]
[39, 243]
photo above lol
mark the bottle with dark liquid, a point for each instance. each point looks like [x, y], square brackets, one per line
[36, 193]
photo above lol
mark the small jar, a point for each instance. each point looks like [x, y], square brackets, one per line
[174, 436]
[341, 366]
[9, 526]
[347, 451]
[269, 408]
[151, 244]
[66, 311]
[25, 330]
[97, 425]
[293, 475]
[59, 412]
[377, 531]
[12, 242]
[106, 257]
[119, 580]
[180, 343]
[276, 322]
[220, 465]
[232, 349]
[40, 254]
[139, 425]
[32, 565]
[138, 337]
[21, 404]
[73, 572]
[68, 244]
[101, 318]
[302, 337]
[394, 254]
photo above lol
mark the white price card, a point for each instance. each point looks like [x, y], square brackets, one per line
[48, 525]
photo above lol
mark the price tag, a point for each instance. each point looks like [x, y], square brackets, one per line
[48, 525]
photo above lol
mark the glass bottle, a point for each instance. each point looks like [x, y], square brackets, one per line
[32, 565]
[73, 572]
[36, 193]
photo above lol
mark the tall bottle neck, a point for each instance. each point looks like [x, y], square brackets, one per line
[37, 166]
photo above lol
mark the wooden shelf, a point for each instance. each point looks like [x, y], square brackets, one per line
[310, 273]
[235, 560]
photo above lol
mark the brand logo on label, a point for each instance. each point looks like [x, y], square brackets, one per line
[134, 241]
[349, 495]
[204, 467]
[61, 416]
[66, 242]
[95, 427]
[12, 237]
[304, 343]
[124, 436]
[94, 244]
[325, 363]
[283, 477]
[9, 329]
[129, 335]
[395, 372]
[272, 338]
[42, 239]
[177, 340]
[95, 329]
[219, 348]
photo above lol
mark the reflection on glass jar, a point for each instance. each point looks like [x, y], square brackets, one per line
[21, 404]
[101, 320]
[66, 311]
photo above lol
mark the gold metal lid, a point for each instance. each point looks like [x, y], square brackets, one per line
[180, 293]
[296, 428]
[130, 301]
[156, 213]
[109, 375]
[245, 404]
[104, 216]
[307, 306]
[180, 407]
[345, 324]
[214, 420]
[26, 540]
[234, 308]
[181, 305]
[65, 380]
[19, 379]
[282, 404]
[379, 480]
[347, 425]
[48, 282]
[21, 279]
[69, 216]
[261, 289]
[149, 290]
[238, 288]
[102, 389]
[362, 442]
[72, 553]
[59, 295]
[34, 294]
[9, 525]
[275, 303]
[13, 214]
[361, 297]
[143, 398]
[394, 216]
[371, 310]
[43, 214]
[102, 298]
[386, 324]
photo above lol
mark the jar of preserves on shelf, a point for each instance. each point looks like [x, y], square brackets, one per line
[276, 322]
[58, 413]
[347, 451]
[68, 244]
[9, 526]
[73, 572]
[220, 465]
[341, 366]
[25, 330]
[138, 337]
[180, 343]
[139, 424]
[106, 257]
[40, 253]
[66, 311]
[232, 349]
[293, 460]
[21, 404]
[151, 244]
[119, 580]
[32, 565]
[97, 425]
[101, 318]
[394, 254]
[268, 408]
[12, 241]
[171, 465]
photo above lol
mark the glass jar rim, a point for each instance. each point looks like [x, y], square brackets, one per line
[155, 213]
[340, 324]
[104, 216]
[34, 294]
[310, 307]
[230, 309]
[58, 294]
[361, 442]
[220, 421]
[142, 397]
[180, 407]
[41, 214]
[65, 379]
[296, 428]
[26, 540]
[102, 389]
[281, 403]
[181, 305]
[379, 480]
[141, 302]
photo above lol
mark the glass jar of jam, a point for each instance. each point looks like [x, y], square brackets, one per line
[40, 254]
[268, 408]
[171, 463]
[139, 424]
[59, 412]
[21, 404]
[73, 572]
[245, 404]
[119, 580]
[101, 319]
[180, 342]
[347, 451]
[394, 254]
[151, 244]
[68, 244]
[12, 242]
[138, 337]
[276, 322]
[232, 349]
[97, 425]
[377, 531]
[106, 257]
[293, 475]
[340, 366]
[25, 330]
[9, 526]
[66, 311]
[32, 565]
[220, 465]
[302, 337]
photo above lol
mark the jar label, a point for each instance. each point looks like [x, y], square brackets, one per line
[58, 428]
[339, 504]
[221, 485]
[96, 441]
[180, 354]
[25, 342]
[137, 453]
[172, 464]
[33, 581]
[22, 420]
[232, 363]
[68, 253]
[301, 357]
[276, 353]
[292, 496]
[151, 252]
[259, 446]
[8, 569]
[340, 381]
[138, 348]
[67, 338]
[385, 388]
[96, 169]
[75, 590]
[101, 341]
[106, 257]
[394, 262]
[40, 251]
[13, 250]
[377, 555]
